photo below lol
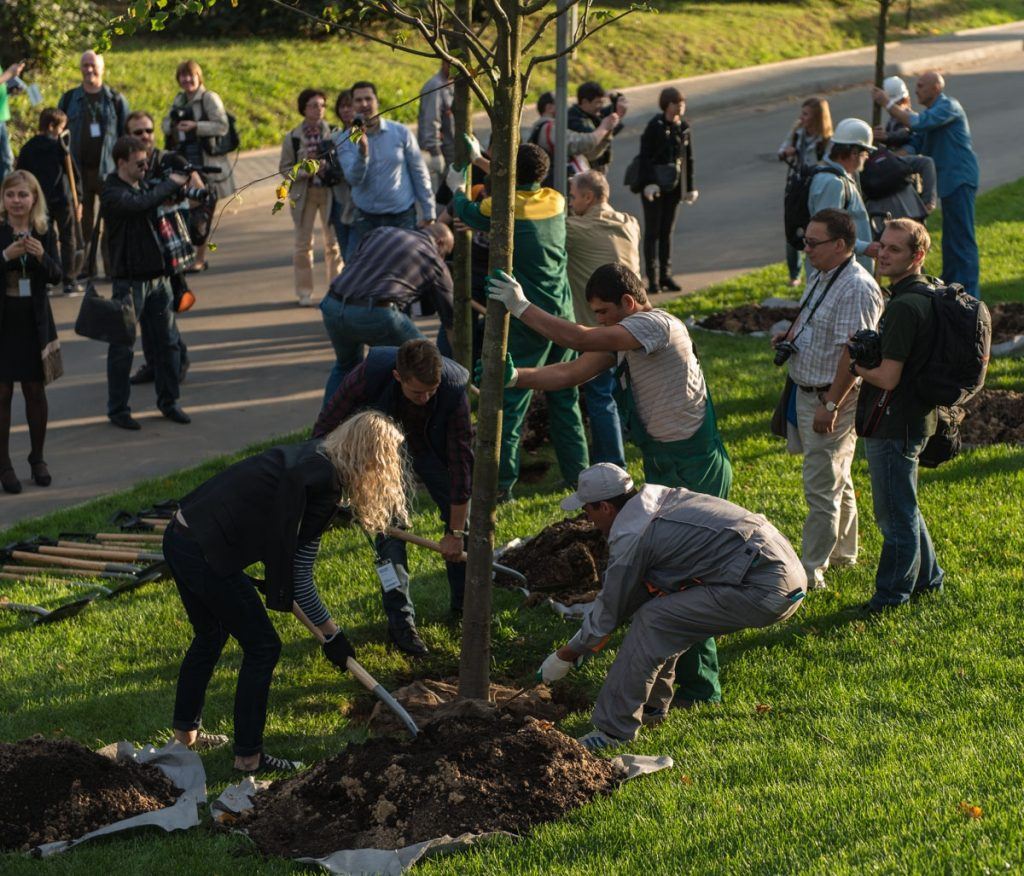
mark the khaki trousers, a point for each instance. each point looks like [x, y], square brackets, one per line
[317, 201]
[830, 529]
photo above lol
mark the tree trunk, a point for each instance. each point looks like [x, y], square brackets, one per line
[475, 660]
[883, 21]
[462, 273]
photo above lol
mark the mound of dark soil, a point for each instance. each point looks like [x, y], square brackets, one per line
[1007, 321]
[536, 431]
[994, 416]
[461, 775]
[565, 561]
[747, 318]
[57, 789]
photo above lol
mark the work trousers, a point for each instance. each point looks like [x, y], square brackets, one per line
[659, 222]
[353, 327]
[666, 627]
[435, 165]
[152, 300]
[530, 350]
[398, 603]
[219, 606]
[907, 564]
[317, 202]
[959, 246]
[830, 528]
[605, 426]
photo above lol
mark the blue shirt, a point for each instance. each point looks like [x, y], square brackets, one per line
[942, 132]
[841, 193]
[393, 177]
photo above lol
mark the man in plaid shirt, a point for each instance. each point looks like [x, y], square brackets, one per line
[841, 298]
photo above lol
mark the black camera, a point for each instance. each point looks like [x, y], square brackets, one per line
[783, 350]
[179, 114]
[866, 348]
[330, 170]
[194, 193]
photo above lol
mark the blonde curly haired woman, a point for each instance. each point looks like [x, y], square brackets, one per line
[272, 508]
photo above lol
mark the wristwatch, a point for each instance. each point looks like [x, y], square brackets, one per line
[829, 405]
[459, 533]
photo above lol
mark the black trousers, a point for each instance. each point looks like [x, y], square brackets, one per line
[659, 222]
[64, 227]
[219, 606]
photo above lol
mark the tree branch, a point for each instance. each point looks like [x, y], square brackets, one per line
[532, 8]
[586, 34]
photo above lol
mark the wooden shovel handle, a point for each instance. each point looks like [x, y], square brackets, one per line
[84, 553]
[48, 560]
[128, 536]
[412, 538]
[360, 674]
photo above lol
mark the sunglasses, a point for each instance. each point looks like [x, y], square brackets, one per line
[138, 132]
[142, 165]
[811, 244]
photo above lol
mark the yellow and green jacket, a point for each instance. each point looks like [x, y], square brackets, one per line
[538, 259]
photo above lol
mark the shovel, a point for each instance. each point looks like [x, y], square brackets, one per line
[93, 552]
[412, 538]
[31, 554]
[42, 616]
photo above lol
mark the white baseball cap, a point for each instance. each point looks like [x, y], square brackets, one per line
[895, 88]
[597, 484]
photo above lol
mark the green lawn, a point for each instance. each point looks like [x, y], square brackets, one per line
[878, 728]
[259, 78]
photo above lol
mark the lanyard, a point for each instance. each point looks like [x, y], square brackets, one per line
[821, 298]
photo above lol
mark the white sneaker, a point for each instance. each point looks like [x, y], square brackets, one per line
[598, 740]
[305, 301]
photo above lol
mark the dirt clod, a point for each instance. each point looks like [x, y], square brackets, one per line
[57, 789]
[462, 775]
[1007, 321]
[564, 561]
[747, 318]
[994, 416]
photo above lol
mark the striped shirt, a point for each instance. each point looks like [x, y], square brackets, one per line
[306, 595]
[853, 302]
[667, 381]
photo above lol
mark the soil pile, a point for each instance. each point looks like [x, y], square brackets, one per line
[57, 789]
[536, 431]
[994, 416]
[747, 318]
[1007, 321]
[461, 775]
[564, 561]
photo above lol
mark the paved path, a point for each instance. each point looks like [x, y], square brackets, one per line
[260, 361]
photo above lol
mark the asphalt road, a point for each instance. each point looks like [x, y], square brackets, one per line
[260, 361]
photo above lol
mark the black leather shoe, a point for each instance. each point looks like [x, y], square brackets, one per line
[652, 287]
[9, 481]
[126, 421]
[177, 415]
[406, 639]
[667, 284]
[144, 374]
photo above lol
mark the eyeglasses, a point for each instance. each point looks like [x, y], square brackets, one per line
[140, 131]
[142, 165]
[809, 243]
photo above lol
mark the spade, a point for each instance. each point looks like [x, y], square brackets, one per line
[42, 615]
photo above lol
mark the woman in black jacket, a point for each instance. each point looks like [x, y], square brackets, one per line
[666, 154]
[29, 349]
[272, 509]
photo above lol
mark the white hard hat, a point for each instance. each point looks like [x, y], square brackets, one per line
[854, 132]
[895, 88]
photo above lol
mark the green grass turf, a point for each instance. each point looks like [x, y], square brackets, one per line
[259, 78]
[878, 729]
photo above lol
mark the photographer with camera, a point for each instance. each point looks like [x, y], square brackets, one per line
[311, 194]
[893, 420]
[129, 206]
[841, 298]
[592, 107]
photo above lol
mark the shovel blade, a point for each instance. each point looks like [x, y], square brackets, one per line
[65, 611]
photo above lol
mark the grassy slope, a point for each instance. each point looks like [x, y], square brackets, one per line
[878, 728]
[259, 78]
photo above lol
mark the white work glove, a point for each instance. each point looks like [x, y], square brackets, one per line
[456, 179]
[691, 197]
[554, 668]
[651, 192]
[473, 145]
[501, 287]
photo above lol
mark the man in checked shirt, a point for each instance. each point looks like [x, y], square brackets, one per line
[841, 298]
[425, 393]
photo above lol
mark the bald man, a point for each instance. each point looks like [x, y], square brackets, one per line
[941, 131]
[96, 116]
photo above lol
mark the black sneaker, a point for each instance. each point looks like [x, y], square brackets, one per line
[407, 640]
[271, 764]
[126, 421]
[176, 415]
[144, 374]
[72, 290]
[667, 284]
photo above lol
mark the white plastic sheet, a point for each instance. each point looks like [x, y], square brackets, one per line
[181, 765]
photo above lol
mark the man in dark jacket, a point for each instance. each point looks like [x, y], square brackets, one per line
[137, 268]
[591, 109]
[425, 393]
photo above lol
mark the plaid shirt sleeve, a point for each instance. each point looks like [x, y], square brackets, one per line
[348, 397]
[460, 453]
[858, 306]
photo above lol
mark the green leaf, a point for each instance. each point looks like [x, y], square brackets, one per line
[277, 208]
[212, 247]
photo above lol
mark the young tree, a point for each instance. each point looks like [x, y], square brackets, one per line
[880, 35]
[493, 58]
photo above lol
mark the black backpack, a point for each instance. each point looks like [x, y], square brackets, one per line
[945, 444]
[225, 143]
[796, 214]
[958, 360]
[884, 174]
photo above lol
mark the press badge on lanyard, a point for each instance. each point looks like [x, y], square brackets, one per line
[24, 287]
[94, 130]
[388, 576]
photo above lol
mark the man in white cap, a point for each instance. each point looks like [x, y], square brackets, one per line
[835, 186]
[684, 566]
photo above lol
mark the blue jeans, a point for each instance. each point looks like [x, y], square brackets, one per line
[959, 247]
[217, 607]
[397, 603]
[152, 299]
[352, 327]
[366, 222]
[342, 232]
[907, 564]
[605, 427]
